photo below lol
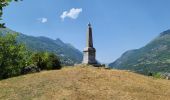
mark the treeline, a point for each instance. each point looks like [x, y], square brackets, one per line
[16, 60]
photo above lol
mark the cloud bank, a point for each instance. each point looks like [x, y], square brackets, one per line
[73, 13]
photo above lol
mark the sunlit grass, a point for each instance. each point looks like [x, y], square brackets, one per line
[84, 83]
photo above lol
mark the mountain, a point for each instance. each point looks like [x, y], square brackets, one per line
[68, 54]
[152, 58]
[84, 83]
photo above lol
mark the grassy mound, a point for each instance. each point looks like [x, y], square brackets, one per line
[84, 83]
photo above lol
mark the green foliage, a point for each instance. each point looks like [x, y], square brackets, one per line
[53, 62]
[15, 59]
[68, 54]
[45, 60]
[12, 56]
[157, 75]
[4, 3]
[36, 53]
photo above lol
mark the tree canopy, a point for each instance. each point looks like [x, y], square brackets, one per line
[11, 56]
[15, 59]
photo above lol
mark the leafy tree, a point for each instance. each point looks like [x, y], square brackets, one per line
[4, 3]
[45, 60]
[53, 62]
[12, 56]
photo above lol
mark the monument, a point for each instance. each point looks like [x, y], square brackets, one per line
[89, 51]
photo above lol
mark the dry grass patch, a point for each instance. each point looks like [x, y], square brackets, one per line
[84, 83]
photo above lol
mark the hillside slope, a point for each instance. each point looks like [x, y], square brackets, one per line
[84, 83]
[154, 57]
[67, 52]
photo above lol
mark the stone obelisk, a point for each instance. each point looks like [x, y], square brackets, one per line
[89, 51]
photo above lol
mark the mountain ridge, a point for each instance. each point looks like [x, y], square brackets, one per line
[152, 58]
[68, 53]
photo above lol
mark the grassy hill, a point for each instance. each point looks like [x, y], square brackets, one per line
[154, 57]
[84, 83]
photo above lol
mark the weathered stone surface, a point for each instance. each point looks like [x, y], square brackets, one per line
[89, 51]
[168, 77]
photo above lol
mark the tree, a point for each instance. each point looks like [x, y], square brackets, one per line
[12, 56]
[45, 60]
[4, 3]
[53, 62]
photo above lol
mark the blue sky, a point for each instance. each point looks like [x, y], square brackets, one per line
[118, 25]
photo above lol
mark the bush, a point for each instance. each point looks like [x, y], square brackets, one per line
[30, 69]
[53, 62]
[11, 56]
[157, 75]
[45, 60]
[16, 60]
[150, 74]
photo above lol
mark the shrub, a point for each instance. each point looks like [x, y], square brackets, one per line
[157, 75]
[30, 69]
[53, 62]
[11, 56]
[45, 60]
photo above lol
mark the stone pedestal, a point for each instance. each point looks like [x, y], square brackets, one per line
[89, 56]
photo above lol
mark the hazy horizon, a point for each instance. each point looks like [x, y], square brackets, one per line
[118, 26]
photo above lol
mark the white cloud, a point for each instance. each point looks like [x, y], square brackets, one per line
[43, 20]
[73, 13]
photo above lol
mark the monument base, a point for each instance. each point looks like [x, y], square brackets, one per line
[89, 56]
[95, 65]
